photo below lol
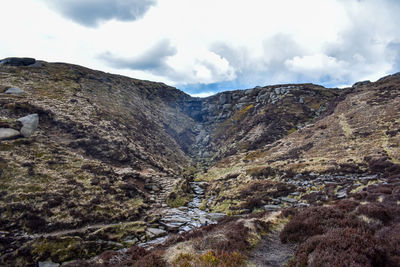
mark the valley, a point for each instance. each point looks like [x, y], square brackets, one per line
[125, 172]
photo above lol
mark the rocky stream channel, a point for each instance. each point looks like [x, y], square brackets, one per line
[182, 219]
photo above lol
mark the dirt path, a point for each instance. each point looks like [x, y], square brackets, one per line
[271, 252]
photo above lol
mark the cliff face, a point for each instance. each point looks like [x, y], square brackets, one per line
[108, 150]
[242, 120]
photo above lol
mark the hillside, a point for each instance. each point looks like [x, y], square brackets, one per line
[117, 161]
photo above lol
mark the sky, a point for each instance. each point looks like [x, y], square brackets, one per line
[207, 46]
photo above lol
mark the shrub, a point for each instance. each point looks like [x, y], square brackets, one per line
[375, 211]
[317, 221]
[340, 247]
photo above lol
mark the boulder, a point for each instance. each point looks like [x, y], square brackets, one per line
[18, 61]
[8, 133]
[263, 97]
[47, 264]
[224, 99]
[14, 91]
[29, 124]
[248, 91]
[226, 106]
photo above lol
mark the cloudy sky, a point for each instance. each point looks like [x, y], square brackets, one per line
[206, 46]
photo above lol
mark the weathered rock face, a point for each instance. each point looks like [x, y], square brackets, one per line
[17, 61]
[238, 121]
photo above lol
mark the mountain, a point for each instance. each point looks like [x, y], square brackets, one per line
[91, 161]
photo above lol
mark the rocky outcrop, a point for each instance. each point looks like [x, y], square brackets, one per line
[18, 61]
[240, 120]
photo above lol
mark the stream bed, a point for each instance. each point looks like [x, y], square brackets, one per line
[182, 219]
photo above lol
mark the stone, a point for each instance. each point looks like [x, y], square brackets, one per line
[302, 205]
[29, 124]
[8, 133]
[271, 207]
[155, 232]
[341, 194]
[227, 106]
[239, 106]
[243, 99]
[14, 91]
[131, 240]
[248, 91]
[18, 61]
[224, 99]
[263, 97]
[215, 216]
[288, 199]
[47, 264]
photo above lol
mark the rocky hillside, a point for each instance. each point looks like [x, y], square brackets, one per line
[91, 161]
[357, 136]
[243, 120]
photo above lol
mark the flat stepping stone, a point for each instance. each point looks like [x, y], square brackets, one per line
[8, 133]
[155, 232]
[271, 207]
[14, 91]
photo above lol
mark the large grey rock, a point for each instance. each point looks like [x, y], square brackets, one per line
[226, 106]
[8, 133]
[263, 97]
[48, 264]
[155, 232]
[18, 61]
[288, 200]
[271, 207]
[29, 124]
[215, 216]
[243, 99]
[248, 91]
[224, 99]
[14, 91]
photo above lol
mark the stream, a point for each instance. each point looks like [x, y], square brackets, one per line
[182, 219]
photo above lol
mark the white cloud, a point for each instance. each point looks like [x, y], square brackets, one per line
[92, 12]
[315, 65]
[203, 94]
[234, 43]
